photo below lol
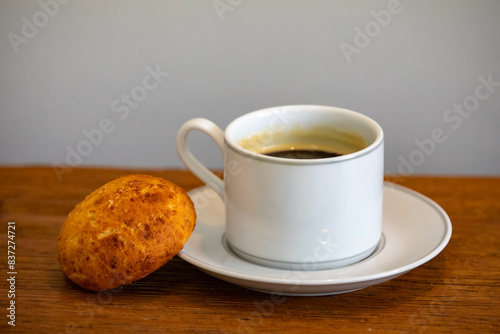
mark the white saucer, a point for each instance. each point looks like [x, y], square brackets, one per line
[415, 230]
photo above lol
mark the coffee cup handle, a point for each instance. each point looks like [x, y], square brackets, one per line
[189, 160]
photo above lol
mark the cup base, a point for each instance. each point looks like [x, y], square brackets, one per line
[300, 266]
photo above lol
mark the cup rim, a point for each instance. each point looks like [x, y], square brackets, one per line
[379, 140]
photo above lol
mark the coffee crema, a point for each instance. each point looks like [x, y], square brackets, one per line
[303, 154]
[298, 143]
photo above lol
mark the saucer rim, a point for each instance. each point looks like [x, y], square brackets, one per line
[209, 268]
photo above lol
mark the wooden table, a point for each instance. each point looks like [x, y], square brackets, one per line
[458, 291]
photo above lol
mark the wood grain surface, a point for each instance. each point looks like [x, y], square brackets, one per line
[458, 291]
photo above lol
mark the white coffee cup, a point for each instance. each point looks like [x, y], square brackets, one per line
[299, 214]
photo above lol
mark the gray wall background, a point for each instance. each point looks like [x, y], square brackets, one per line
[420, 68]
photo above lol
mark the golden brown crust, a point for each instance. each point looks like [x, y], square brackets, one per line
[124, 230]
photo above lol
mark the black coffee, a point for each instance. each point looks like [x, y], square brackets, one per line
[303, 154]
